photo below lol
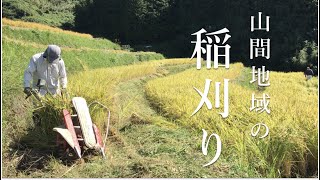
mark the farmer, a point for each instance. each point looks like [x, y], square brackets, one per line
[48, 69]
[308, 73]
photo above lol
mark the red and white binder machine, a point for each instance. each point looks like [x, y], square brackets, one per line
[78, 131]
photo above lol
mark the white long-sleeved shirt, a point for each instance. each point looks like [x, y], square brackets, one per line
[53, 73]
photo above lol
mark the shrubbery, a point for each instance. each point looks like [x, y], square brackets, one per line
[307, 56]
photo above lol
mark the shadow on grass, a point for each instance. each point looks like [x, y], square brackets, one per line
[35, 150]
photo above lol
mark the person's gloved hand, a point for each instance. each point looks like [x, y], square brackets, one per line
[27, 91]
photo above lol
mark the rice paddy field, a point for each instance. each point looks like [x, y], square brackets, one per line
[151, 99]
[290, 148]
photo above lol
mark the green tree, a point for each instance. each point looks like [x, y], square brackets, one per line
[59, 13]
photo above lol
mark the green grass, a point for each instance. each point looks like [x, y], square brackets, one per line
[79, 54]
[23, 43]
[18, 46]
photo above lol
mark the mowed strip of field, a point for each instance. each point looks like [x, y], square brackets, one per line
[292, 145]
